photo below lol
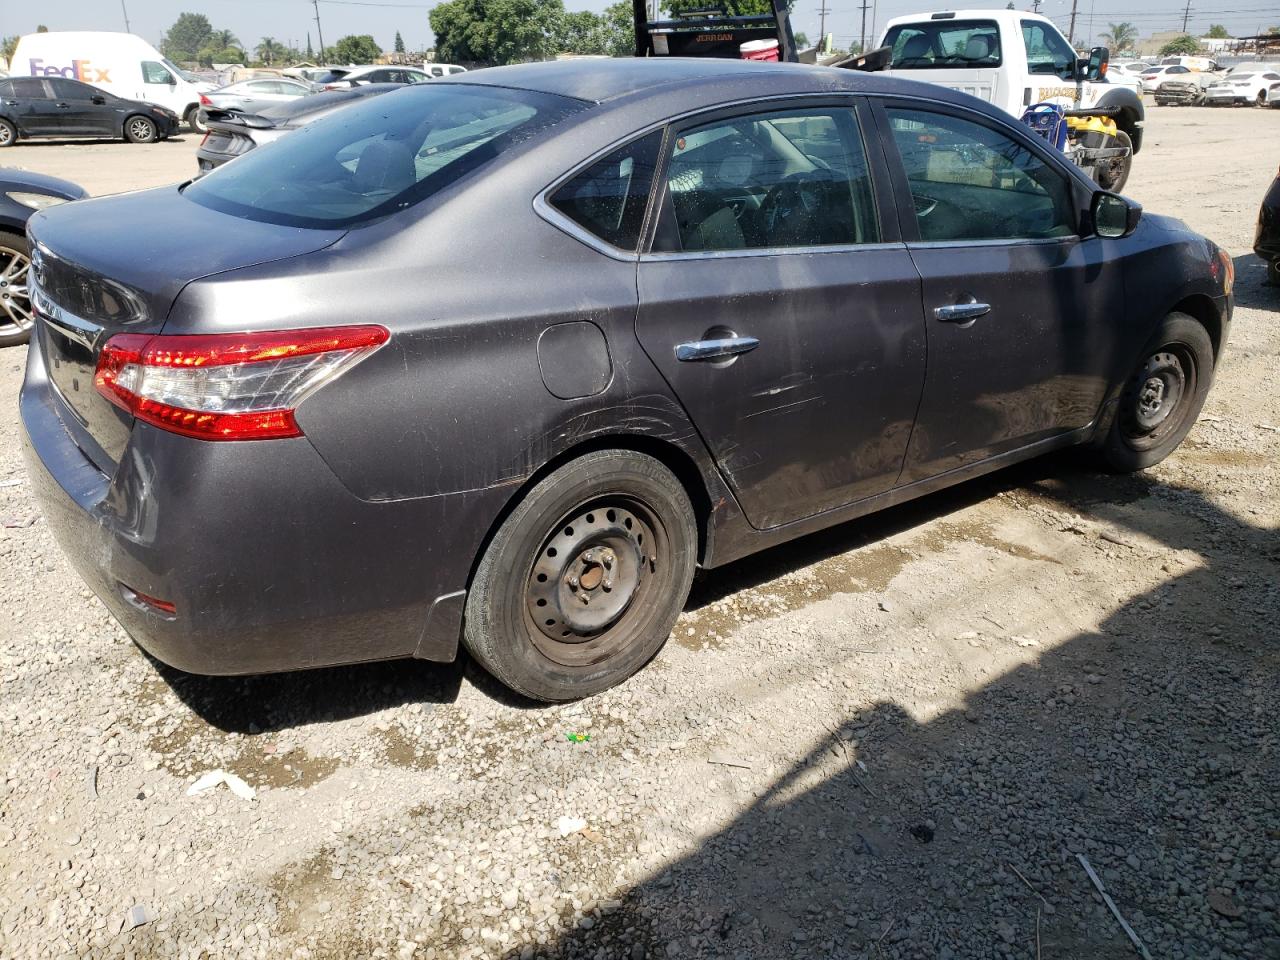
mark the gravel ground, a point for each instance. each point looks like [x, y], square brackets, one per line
[890, 740]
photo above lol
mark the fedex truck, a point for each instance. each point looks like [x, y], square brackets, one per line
[118, 63]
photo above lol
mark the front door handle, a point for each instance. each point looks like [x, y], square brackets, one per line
[961, 312]
[715, 349]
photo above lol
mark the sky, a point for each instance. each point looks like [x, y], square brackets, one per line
[289, 20]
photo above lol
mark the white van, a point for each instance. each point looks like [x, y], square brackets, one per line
[119, 63]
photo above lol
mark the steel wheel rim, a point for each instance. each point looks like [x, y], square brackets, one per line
[6, 134]
[140, 128]
[610, 551]
[15, 298]
[1156, 400]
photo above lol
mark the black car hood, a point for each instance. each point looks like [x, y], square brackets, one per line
[155, 242]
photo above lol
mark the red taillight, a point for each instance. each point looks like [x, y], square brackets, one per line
[237, 386]
[205, 101]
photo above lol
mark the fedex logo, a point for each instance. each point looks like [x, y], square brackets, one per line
[79, 70]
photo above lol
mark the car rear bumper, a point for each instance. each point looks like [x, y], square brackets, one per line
[1225, 99]
[270, 562]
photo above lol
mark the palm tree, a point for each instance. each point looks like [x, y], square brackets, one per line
[1120, 36]
[268, 50]
[223, 39]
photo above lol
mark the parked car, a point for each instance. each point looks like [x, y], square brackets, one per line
[55, 107]
[118, 63]
[1273, 95]
[276, 423]
[253, 96]
[1184, 90]
[1153, 77]
[1241, 89]
[1130, 69]
[437, 70]
[1266, 242]
[376, 74]
[232, 134]
[22, 193]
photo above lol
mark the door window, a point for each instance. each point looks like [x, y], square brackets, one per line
[970, 182]
[609, 197]
[795, 178]
[153, 72]
[1047, 51]
[68, 89]
[29, 88]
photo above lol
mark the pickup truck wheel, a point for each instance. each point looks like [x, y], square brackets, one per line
[583, 581]
[1163, 396]
[1114, 174]
[195, 121]
[138, 129]
[15, 301]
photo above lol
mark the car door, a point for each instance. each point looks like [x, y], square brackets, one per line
[780, 305]
[1022, 314]
[74, 109]
[31, 104]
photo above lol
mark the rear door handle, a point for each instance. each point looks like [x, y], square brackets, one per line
[64, 106]
[961, 312]
[714, 349]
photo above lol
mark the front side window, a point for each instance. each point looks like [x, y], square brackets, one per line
[1047, 51]
[795, 178]
[153, 72]
[378, 156]
[943, 45]
[29, 88]
[609, 197]
[970, 182]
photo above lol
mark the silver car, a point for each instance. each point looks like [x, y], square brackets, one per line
[252, 96]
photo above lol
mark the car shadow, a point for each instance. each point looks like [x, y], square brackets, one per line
[84, 141]
[1252, 288]
[1147, 745]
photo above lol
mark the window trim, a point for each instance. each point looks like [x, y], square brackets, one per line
[1076, 181]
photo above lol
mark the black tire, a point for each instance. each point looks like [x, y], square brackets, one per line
[195, 121]
[15, 304]
[8, 134]
[613, 527]
[140, 129]
[1153, 418]
[1273, 273]
[1114, 174]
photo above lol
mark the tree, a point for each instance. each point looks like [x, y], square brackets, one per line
[399, 43]
[734, 8]
[311, 54]
[8, 47]
[354, 48]
[268, 50]
[224, 39]
[583, 32]
[620, 28]
[41, 28]
[802, 41]
[497, 31]
[1185, 44]
[1120, 36]
[190, 33]
[1218, 32]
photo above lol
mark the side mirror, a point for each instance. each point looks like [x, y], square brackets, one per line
[1114, 216]
[1096, 68]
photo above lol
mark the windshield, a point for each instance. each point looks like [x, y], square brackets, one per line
[944, 44]
[1048, 51]
[379, 156]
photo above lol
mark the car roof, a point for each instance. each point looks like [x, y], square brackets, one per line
[600, 81]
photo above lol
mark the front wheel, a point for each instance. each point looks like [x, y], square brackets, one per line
[16, 318]
[582, 583]
[195, 120]
[1163, 396]
[1114, 174]
[8, 134]
[140, 130]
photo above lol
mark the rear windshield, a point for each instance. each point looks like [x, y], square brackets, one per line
[944, 44]
[377, 156]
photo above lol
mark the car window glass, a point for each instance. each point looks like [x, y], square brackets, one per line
[1047, 51]
[67, 89]
[378, 156]
[1179, 69]
[944, 44]
[970, 182]
[29, 88]
[153, 72]
[609, 197]
[795, 178]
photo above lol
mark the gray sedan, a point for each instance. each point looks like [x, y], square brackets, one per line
[499, 360]
[252, 96]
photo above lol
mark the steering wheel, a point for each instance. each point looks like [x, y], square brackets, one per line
[791, 204]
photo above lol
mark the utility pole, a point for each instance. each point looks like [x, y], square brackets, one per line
[823, 10]
[1071, 30]
[316, 5]
[126, 17]
[1035, 5]
[862, 43]
[1186, 13]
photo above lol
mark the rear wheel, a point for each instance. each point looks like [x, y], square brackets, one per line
[1261, 100]
[8, 134]
[583, 582]
[1114, 174]
[15, 300]
[195, 121]
[1163, 396]
[139, 129]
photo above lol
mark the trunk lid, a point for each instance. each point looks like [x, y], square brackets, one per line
[116, 265]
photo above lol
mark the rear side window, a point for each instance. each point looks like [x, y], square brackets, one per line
[28, 88]
[609, 197]
[378, 156]
[795, 178]
[944, 45]
[153, 72]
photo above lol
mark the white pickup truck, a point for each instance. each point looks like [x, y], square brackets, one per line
[1013, 59]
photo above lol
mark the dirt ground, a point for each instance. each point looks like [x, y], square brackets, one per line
[897, 738]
